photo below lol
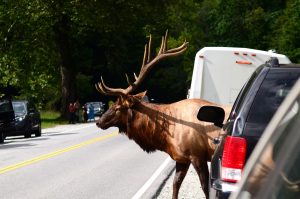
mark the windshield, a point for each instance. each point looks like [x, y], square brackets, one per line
[19, 107]
[96, 105]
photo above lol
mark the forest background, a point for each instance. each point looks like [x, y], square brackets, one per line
[54, 51]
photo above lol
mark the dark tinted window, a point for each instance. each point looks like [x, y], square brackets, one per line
[5, 106]
[243, 93]
[273, 90]
[276, 173]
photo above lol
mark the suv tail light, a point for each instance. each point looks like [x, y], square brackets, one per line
[233, 159]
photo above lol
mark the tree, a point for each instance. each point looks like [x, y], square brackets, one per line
[45, 40]
[286, 31]
[55, 48]
[26, 59]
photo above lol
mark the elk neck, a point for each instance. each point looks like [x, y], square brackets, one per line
[147, 127]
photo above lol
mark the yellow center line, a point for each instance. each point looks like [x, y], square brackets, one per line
[55, 153]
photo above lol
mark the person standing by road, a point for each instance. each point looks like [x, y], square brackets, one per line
[91, 114]
[84, 114]
[77, 107]
[71, 113]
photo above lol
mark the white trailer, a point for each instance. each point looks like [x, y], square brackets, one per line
[220, 72]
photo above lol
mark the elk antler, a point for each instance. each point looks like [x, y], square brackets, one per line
[146, 66]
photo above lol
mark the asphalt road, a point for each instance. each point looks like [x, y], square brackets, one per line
[80, 161]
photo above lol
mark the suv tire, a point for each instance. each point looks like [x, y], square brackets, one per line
[27, 133]
[2, 137]
[38, 132]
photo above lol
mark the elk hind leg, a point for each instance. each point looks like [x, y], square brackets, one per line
[202, 171]
[181, 170]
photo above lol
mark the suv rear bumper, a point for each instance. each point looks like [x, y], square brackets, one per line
[221, 189]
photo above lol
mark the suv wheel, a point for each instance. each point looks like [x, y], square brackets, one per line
[38, 132]
[2, 137]
[27, 133]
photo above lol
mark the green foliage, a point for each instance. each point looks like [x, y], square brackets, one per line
[287, 31]
[84, 87]
[49, 47]
[27, 62]
[51, 119]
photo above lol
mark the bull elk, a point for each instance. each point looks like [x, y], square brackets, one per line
[172, 128]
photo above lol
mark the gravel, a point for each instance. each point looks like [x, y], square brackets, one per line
[190, 188]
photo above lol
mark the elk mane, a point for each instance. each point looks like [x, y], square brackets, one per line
[152, 127]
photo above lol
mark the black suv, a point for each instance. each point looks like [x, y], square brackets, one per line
[7, 119]
[253, 109]
[27, 119]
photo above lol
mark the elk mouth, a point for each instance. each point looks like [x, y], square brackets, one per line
[101, 125]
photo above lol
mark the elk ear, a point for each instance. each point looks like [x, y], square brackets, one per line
[140, 96]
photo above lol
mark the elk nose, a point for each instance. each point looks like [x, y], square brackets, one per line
[98, 124]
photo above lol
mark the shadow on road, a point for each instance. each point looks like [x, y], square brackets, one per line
[17, 145]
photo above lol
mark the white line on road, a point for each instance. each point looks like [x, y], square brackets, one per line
[75, 129]
[70, 128]
[151, 179]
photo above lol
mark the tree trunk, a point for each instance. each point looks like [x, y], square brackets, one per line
[67, 66]
[68, 90]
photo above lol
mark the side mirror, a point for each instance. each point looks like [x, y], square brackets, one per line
[212, 114]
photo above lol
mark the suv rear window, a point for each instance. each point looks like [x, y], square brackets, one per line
[243, 93]
[5, 106]
[274, 89]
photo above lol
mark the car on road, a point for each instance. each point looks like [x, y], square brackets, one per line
[27, 119]
[273, 168]
[254, 107]
[7, 119]
[99, 108]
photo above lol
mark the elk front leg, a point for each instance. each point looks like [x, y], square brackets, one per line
[181, 170]
[202, 171]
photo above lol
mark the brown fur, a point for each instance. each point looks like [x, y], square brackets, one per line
[172, 128]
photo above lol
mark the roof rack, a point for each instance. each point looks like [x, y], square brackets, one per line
[273, 62]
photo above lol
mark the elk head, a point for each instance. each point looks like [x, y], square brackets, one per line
[120, 113]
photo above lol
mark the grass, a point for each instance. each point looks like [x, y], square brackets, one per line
[51, 119]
